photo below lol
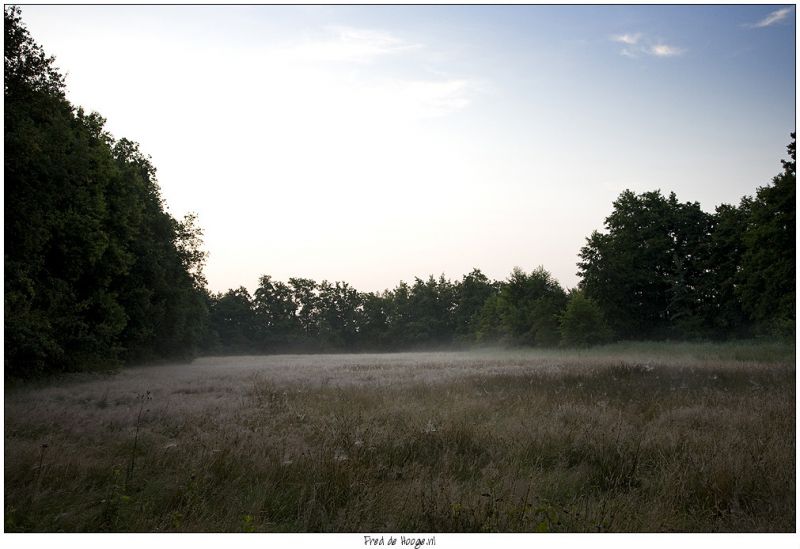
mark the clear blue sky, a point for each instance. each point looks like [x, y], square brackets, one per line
[375, 143]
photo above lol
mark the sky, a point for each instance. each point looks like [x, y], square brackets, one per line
[373, 144]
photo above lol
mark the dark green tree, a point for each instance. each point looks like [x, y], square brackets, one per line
[645, 271]
[233, 322]
[339, 314]
[470, 296]
[524, 311]
[582, 323]
[767, 276]
[162, 290]
[276, 314]
[373, 321]
[96, 271]
[28, 70]
[489, 323]
[304, 295]
[722, 312]
[431, 304]
[530, 305]
[399, 315]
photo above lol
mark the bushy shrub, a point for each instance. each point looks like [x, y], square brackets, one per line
[582, 322]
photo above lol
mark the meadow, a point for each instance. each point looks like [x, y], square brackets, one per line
[646, 437]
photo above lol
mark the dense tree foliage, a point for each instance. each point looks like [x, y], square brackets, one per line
[668, 269]
[304, 315]
[525, 310]
[644, 272]
[96, 271]
[471, 294]
[723, 315]
[767, 276]
[582, 322]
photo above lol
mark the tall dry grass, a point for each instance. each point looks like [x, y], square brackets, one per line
[619, 439]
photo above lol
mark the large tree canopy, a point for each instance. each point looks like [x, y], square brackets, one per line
[767, 276]
[667, 269]
[644, 270]
[95, 270]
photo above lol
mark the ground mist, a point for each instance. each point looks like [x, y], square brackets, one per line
[630, 438]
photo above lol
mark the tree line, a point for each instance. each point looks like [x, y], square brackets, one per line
[665, 269]
[661, 269]
[97, 272]
[305, 315]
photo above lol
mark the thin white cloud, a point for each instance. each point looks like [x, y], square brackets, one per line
[664, 50]
[636, 45]
[350, 45]
[775, 17]
[427, 99]
[628, 38]
[374, 97]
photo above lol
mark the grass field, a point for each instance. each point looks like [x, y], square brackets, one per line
[631, 438]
